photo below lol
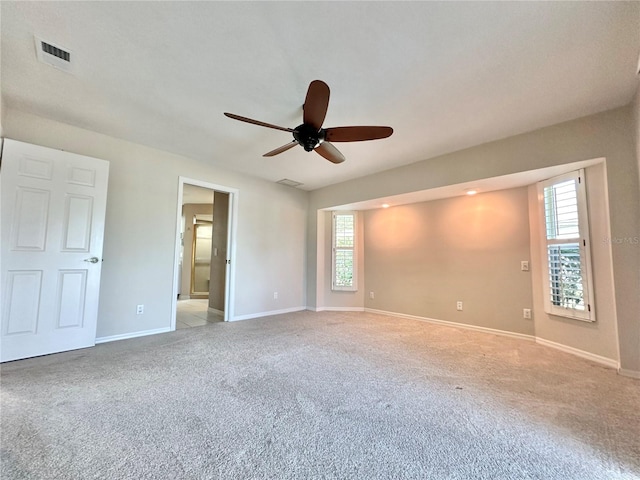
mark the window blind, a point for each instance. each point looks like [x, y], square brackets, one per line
[567, 262]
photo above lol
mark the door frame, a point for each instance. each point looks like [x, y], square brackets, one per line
[230, 273]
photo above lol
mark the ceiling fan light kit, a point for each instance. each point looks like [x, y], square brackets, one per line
[308, 137]
[311, 136]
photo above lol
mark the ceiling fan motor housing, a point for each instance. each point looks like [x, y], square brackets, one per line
[308, 136]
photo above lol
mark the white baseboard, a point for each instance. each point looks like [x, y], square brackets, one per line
[607, 362]
[184, 296]
[124, 336]
[266, 314]
[504, 333]
[215, 311]
[336, 309]
[629, 373]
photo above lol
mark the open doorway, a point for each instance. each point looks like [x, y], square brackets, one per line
[204, 250]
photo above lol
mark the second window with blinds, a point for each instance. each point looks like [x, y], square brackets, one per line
[343, 253]
[567, 278]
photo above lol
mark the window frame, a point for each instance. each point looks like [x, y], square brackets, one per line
[334, 249]
[583, 241]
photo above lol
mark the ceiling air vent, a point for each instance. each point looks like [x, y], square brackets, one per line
[289, 183]
[54, 55]
[55, 51]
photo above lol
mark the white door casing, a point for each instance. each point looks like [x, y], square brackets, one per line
[232, 222]
[52, 217]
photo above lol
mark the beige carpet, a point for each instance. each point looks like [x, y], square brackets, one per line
[318, 395]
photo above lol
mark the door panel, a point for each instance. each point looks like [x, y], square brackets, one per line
[81, 176]
[72, 287]
[35, 167]
[22, 301]
[77, 223]
[30, 214]
[53, 208]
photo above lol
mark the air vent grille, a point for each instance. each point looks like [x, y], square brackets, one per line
[55, 51]
[289, 183]
[53, 55]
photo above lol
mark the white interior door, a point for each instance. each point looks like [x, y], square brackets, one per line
[53, 208]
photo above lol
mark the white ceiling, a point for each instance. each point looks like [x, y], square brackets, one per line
[444, 75]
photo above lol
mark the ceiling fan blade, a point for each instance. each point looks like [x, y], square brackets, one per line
[257, 122]
[356, 134]
[316, 104]
[281, 149]
[330, 152]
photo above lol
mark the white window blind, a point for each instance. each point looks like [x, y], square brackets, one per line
[344, 251]
[567, 283]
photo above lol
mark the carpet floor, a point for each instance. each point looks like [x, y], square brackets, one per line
[327, 395]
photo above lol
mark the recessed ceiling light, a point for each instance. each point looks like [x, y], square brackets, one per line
[472, 191]
[385, 205]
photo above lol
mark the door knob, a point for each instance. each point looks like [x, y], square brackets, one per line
[92, 260]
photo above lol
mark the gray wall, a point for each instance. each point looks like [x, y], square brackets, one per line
[420, 259]
[142, 204]
[609, 134]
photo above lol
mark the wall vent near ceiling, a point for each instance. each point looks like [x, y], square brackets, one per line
[54, 55]
[289, 183]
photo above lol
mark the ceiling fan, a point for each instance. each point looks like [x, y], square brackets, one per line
[311, 136]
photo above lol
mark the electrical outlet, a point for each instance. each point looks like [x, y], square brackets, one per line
[275, 295]
[371, 295]
[459, 306]
[524, 265]
[139, 309]
[526, 313]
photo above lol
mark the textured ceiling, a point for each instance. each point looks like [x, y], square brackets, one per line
[445, 76]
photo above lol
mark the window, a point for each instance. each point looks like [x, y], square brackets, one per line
[567, 260]
[343, 258]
